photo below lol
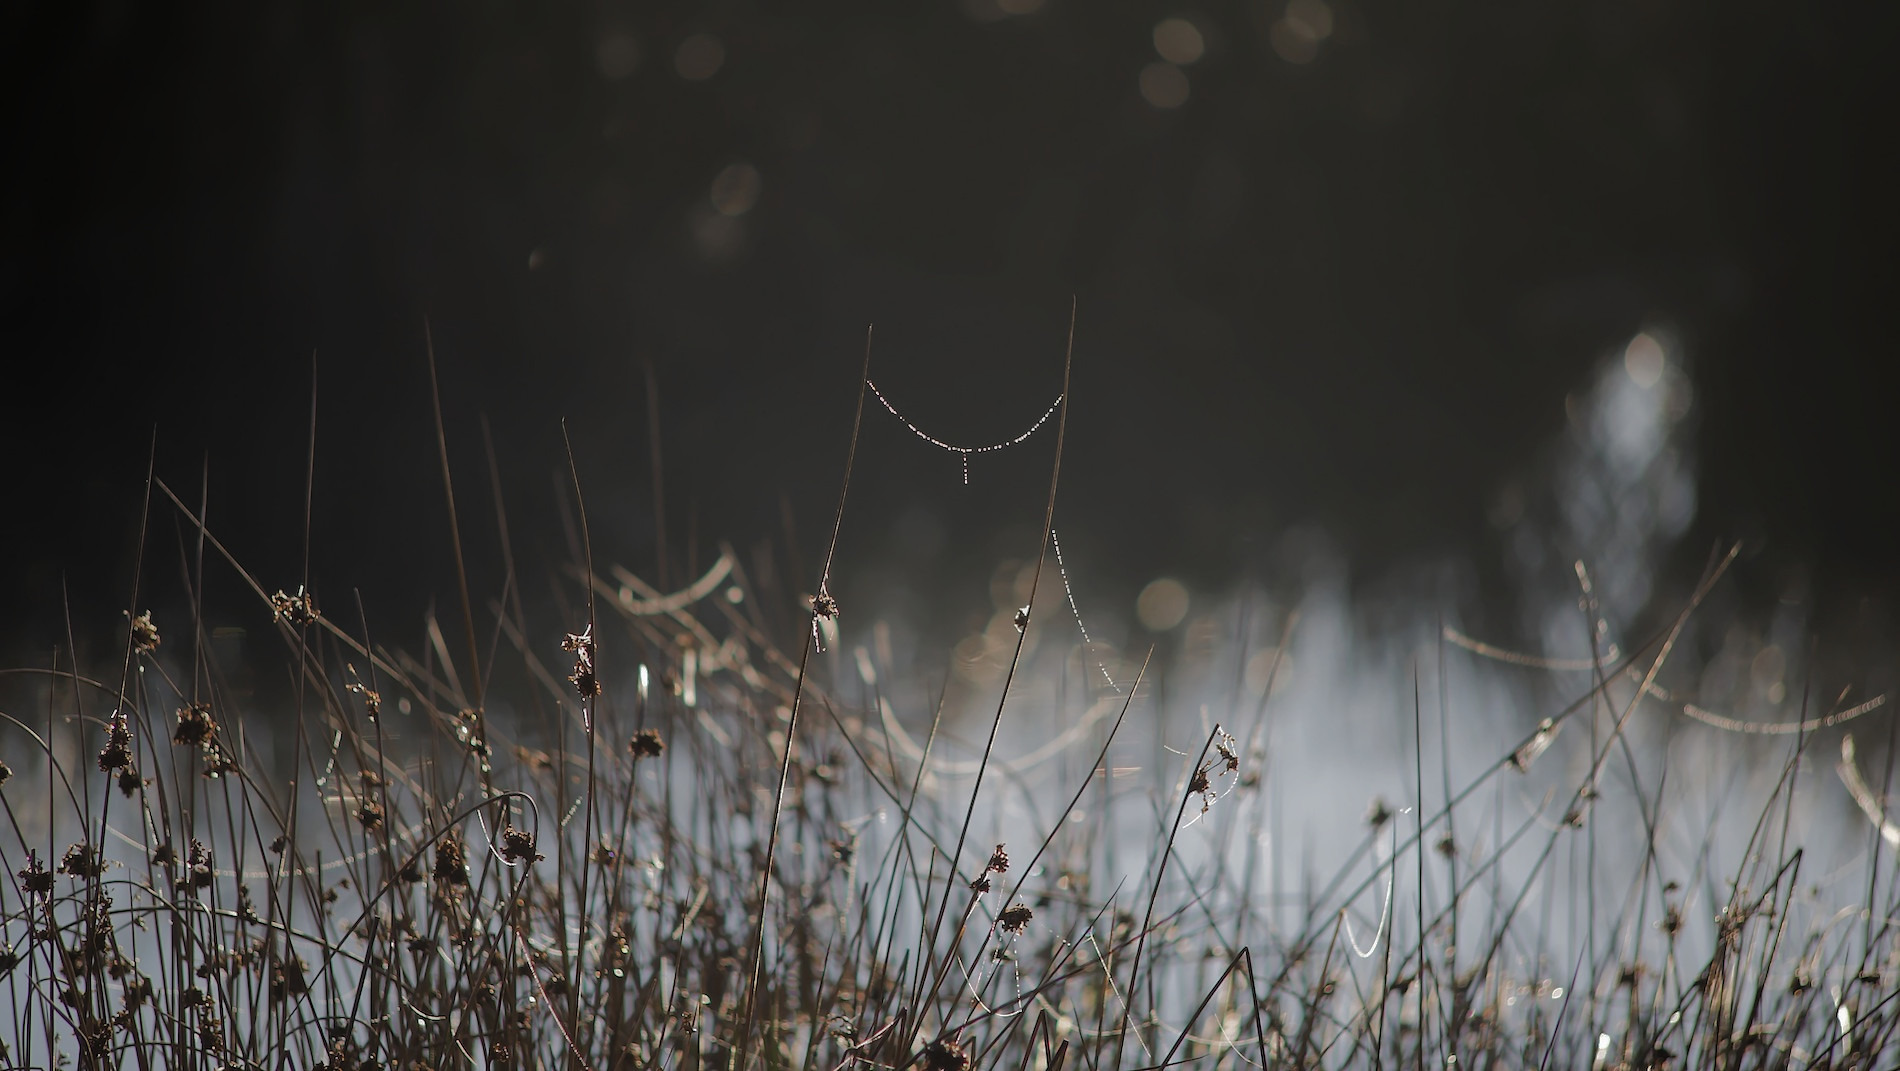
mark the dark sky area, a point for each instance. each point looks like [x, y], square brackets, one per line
[1334, 262]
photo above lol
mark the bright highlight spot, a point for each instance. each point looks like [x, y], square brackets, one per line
[736, 189]
[699, 57]
[1179, 42]
[617, 56]
[1164, 85]
[1644, 360]
[1162, 605]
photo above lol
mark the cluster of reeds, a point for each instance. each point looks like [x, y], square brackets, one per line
[649, 836]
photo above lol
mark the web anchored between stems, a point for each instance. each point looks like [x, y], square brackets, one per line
[963, 451]
[1068, 592]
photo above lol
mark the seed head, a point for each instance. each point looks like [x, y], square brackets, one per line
[195, 725]
[1671, 923]
[1014, 918]
[144, 633]
[824, 605]
[117, 754]
[197, 868]
[517, 845]
[999, 861]
[36, 878]
[451, 860]
[1022, 619]
[646, 744]
[372, 699]
[299, 609]
[944, 1054]
[81, 862]
[1379, 813]
[581, 645]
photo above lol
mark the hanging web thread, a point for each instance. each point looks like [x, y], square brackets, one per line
[1069, 592]
[963, 451]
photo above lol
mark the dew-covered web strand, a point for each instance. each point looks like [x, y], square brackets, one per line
[1069, 593]
[963, 451]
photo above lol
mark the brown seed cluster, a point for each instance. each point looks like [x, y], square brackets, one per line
[584, 678]
[517, 845]
[646, 744]
[145, 637]
[1014, 918]
[945, 1054]
[195, 725]
[299, 609]
[117, 754]
[824, 605]
[451, 860]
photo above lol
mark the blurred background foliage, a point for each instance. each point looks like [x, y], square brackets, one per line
[1338, 265]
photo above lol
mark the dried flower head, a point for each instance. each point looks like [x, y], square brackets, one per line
[299, 609]
[584, 678]
[6, 772]
[999, 861]
[945, 1054]
[217, 761]
[130, 782]
[197, 867]
[369, 815]
[372, 699]
[287, 978]
[144, 633]
[1229, 757]
[1014, 918]
[1021, 619]
[646, 744]
[81, 862]
[980, 884]
[195, 725]
[1671, 923]
[1379, 813]
[36, 878]
[117, 754]
[824, 605]
[517, 845]
[451, 859]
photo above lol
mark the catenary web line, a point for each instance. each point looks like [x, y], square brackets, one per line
[964, 451]
[1069, 592]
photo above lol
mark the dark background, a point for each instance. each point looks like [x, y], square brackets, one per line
[1352, 291]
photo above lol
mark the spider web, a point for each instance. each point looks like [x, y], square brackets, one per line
[964, 451]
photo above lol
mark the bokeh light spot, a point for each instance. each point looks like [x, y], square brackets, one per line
[1290, 44]
[1312, 19]
[699, 57]
[1164, 85]
[1162, 605]
[736, 189]
[1644, 360]
[1178, 41]
[617, 56]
